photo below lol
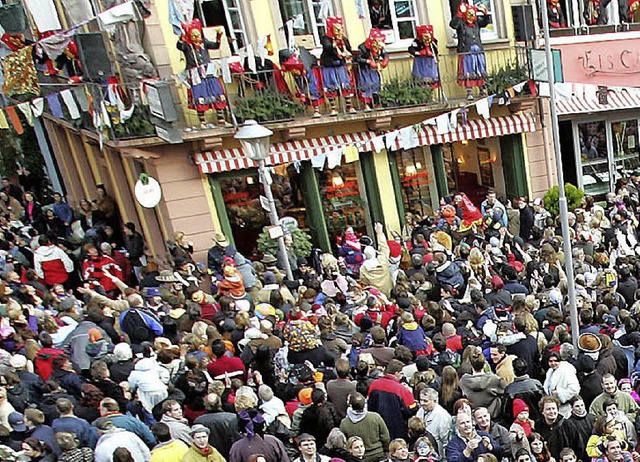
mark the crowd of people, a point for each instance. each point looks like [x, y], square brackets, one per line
[447, 340]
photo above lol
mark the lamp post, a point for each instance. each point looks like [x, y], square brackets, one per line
[562, 199]
[255, 142]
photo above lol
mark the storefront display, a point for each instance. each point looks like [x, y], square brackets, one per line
[342, 193]
[416, 181]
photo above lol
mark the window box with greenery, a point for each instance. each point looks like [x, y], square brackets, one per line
[512, 73]
[266, 106]
[403, 93]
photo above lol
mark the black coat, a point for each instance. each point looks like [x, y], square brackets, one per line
[527, 349]
[468, 35]
[590, 387]
[329, 56]
[197, 56]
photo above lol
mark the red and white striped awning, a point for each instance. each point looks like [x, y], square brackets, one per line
[582, 98]
[224, 160]
[476, 129]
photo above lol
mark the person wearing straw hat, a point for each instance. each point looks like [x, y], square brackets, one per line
[215, 256]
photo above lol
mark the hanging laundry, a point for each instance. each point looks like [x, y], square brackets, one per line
[126, 114]
[251, 59]
[482, 107]
[390, 139]
[44, 14]
[37, 106]
[351, 154]
[105, 114]
[453, 118]
[175, 19]
[442, 124]
[20, 76]
[334, 158]
[378, 143]
[14, 118]
[117, 14]
[13, 18]
[57, 43]
[226, 70]
[78, 10]
[81, 97]
[262, 50]
[318, 161]
[326, 10]
[25, 108]
[408, 138]
[298, 22]
[3, 120]
[72, 107]
[54, 105]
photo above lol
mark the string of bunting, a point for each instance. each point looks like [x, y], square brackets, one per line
[407, 137]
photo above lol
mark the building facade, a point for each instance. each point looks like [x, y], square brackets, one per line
[209, 184]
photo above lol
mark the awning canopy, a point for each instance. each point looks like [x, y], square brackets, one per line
[581, 98]
[224, 160]
[476, 129]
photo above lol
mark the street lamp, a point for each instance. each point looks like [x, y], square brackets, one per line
[254, 139]
[562, 197]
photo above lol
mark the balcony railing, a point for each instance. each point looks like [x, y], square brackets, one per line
[264, 96]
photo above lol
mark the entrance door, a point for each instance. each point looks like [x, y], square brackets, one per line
[513, 166]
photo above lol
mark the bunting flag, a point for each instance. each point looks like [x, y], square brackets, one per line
[482, 108]
[37, 106]
[334, 158]
[442, 124]
[72, 107]
[25, 108]
[319, 160]
[378, 143]
[20, 76]
[351, 154]
[54, 105]
[3, 120]
[14, 118]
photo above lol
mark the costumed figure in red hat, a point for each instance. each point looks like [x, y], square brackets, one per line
[335, 62]
[424, 50]
[305, 82]
[471, 214]
[206, 91]
[595, 12]
[371, 59]
[350, 249]
[634, 10]
[472, 64]
[555, 14]
[69, 62]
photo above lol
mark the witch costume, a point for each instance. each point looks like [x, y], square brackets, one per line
[206, 91]
[371, 58]
[472, 64]
[335, 62]
[424, 50]
[305, 82]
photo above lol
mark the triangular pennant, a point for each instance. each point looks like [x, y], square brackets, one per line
[518, 87]
[390, 139]
[25, 108]
[14, 118]
[482, 108]
[37, 106]
[3, 120]
[453, 118]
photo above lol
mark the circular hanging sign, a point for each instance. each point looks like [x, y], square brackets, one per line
[148, 191]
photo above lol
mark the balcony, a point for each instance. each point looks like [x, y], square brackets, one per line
[263, 97]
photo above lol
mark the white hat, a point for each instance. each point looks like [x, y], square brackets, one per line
[18, 361]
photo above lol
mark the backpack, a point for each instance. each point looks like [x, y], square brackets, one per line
[136, 327]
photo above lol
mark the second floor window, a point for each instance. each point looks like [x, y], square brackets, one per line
[398, 17]
[229, 14]
[487, 33]
[308, 16]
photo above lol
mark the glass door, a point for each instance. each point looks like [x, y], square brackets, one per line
[594, 160]
[626, 152]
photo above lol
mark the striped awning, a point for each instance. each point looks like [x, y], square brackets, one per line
[224, 160]
[476, 129]
[582, 98]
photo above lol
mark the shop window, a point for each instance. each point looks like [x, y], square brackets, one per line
[486, 33]
[229, 14]
[341, 192]
[308, 18]
[398, 17]
[415, 173]
[241, 195]
[592, 138]
[626, 152]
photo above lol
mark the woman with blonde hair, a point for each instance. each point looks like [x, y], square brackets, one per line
[5, 408]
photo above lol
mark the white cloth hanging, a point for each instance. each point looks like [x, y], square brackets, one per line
[334, 158]
[72, 107]
[318, 161]
[44, 14]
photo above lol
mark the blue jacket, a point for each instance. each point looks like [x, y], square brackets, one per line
[87, 435]
[63, 211]
[130, 423]
[412, 336]
[456, 446]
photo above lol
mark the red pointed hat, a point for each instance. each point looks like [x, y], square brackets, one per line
[332, 21]
[188, 27]
[375, 35]
[463, 8]
[426, 29]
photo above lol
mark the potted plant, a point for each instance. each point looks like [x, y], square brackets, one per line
[403, 93]
[266, 106]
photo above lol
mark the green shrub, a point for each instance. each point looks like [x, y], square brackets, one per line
[400, 93]
[266, 106]
[301, 242]
[509, 75]
[552, 202]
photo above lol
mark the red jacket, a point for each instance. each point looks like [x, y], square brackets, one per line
[93, 269]
[52, 265]
[229, 365]
[44, 361]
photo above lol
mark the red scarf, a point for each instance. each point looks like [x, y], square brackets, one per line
[526, 426]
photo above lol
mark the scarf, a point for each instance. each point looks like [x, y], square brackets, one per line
[356, 416]
[526, 426]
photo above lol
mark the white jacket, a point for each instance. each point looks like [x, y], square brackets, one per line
[564, 382]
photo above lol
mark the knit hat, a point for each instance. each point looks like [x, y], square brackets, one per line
[395, 249]
[304, 396]
[519, 406]
[589, 343]
[199, 428]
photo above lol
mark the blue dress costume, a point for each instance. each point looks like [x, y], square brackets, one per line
[371, 58]
[424, 50]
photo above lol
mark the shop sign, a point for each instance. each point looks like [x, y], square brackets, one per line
[606, 62]
[148, 191]
[275, 232]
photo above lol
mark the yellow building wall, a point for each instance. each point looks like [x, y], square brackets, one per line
[386, 190]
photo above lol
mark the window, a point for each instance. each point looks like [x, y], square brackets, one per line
[486, 33]
[594, 159]
[229, 14]
[416, 180]
[398, 17]
[308, 17]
